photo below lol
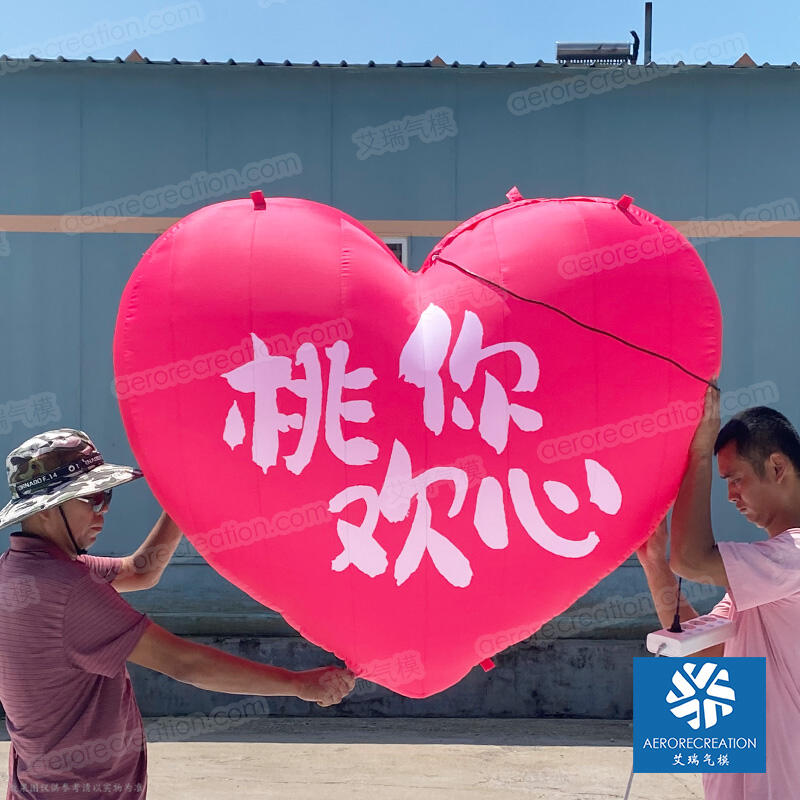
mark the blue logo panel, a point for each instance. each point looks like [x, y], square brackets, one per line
[699, 714]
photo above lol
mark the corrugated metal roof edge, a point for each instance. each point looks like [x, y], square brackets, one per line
[5, 59]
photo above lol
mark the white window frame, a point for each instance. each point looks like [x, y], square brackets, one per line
[403, 242]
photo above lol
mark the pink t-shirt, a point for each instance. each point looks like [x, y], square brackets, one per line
[764, 602]
[65, 635]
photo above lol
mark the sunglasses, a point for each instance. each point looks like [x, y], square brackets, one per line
[98, 501]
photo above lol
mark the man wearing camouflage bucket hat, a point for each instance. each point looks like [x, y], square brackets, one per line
[47, 470]
[66, 634]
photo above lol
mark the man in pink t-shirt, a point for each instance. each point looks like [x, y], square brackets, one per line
[758, 454]
[66, 634]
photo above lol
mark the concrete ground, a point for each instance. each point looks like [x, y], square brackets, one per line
[401, 759]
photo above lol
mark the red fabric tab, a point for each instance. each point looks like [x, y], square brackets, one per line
[624, 202]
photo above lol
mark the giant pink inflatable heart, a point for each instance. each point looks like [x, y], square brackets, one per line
[416, 470]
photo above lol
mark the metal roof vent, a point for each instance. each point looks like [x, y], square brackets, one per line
[608, 53]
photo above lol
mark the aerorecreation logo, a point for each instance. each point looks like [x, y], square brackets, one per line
[699, 715]
[700, 693]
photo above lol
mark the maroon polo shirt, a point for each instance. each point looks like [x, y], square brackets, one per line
[65, 634]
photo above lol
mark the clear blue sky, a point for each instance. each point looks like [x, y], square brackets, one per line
[469, 31]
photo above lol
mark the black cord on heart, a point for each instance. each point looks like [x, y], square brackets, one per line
[572, 319]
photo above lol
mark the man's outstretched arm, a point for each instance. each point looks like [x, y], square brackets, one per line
[217, 671]
[694, 553]
[143, 569]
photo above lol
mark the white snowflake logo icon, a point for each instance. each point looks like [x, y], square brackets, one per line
[700, 695]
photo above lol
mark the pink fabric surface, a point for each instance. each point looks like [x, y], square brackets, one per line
[65, 635]
[764, 602]
[344, 386]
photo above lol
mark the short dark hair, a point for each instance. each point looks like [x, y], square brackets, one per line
[758, 432]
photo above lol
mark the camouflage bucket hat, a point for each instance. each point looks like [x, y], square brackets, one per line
[54, 467]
